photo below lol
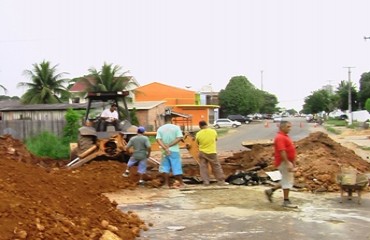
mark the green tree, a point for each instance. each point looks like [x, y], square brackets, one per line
[239, 97]
[291, 111]
[46, 85]
[4, 97]
[109, 78]
[318, 101]
[134, 119]
[342, 92]
[367, 104]
[269, 102]
[73, 123]
[364, 92]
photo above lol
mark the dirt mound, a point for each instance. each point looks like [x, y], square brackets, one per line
[51, 203]
[319, 160]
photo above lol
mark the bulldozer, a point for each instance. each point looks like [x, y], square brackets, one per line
[97, 142]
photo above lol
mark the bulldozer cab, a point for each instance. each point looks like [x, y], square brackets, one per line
[97, 102]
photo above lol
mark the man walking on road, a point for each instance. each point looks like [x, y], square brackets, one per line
[206, 139]
[168, 137]
[142, 149]
[285, 157]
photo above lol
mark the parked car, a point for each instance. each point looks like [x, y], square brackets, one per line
[249, 118]
[267, 116]
[225, 122]
[239, 118]
[343, 117]
[277, 118]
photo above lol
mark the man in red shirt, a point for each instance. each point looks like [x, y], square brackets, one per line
[285, 157]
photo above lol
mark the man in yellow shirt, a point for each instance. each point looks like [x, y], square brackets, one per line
[206, 139]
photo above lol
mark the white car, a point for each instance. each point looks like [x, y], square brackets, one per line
[277, 118]
[225, 122]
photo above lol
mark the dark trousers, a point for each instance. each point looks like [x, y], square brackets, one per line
[104, 124]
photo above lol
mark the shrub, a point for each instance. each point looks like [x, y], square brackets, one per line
[47, 144]
[70, 131]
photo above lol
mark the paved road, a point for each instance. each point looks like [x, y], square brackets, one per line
[240, 212]
[261, 130]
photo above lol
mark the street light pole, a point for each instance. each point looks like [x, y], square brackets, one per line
[261, 80]
[349, 95]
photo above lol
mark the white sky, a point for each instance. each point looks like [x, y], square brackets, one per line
[300, 45]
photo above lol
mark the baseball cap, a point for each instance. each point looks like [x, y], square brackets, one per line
[140, 129]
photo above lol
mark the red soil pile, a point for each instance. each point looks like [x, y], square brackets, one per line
[39, 202]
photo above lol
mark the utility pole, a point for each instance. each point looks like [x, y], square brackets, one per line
[261, 80]
[349, 95]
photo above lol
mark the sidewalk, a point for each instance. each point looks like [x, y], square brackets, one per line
[355, 139]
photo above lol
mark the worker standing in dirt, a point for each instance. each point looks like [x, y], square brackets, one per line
[168, 137]
[109, 117]
[142, 149]
[285, 157]
[206, 139]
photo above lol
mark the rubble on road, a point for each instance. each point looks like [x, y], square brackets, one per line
[319, 159]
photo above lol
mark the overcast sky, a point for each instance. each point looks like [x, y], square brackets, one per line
[299, 45]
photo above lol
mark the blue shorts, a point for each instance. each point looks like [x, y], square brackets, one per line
[141, 167]
[172, 161]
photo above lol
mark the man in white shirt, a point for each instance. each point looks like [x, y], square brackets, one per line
[109, 117]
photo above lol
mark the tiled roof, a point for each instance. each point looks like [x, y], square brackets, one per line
[78, 87]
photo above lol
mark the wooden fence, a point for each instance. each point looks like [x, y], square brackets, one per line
[23, 129]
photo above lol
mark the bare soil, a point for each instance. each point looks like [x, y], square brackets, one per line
[40, 199]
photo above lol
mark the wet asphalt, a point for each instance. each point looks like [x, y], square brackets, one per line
[243, 212]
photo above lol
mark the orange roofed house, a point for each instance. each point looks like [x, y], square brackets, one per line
[186, 105]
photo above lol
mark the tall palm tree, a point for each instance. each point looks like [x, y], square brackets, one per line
[109, 78]
[46, 85]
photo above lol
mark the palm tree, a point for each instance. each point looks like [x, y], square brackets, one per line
[1, 86]
[108, 79]
[46, 85]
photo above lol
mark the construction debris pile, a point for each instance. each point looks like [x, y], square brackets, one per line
[319, 160]
[41, 200]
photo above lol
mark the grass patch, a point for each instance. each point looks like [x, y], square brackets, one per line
[365, 148]
[332, 130]
[354, 125]
[49, 145]
[336, 122]
[222, 131]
